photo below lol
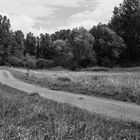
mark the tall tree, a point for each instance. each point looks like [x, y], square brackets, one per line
[82, 43]
[108, 45]
[45, 50]
[5, 40]
[30, 44]
[126, 23]
[38, 47]
[62, 53]
[19, 38]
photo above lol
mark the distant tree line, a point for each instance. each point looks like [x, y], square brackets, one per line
[116, 44]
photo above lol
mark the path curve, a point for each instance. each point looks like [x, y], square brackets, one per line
[114, 109]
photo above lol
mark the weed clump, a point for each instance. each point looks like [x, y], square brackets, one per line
[63, 79]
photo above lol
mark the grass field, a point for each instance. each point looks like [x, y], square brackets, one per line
[31, 117]
[124, 86]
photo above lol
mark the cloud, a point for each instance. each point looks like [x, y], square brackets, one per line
[21, 8]
[41, 16]
[24, 14]
[24, 23]
[88, 18]
[65, 3]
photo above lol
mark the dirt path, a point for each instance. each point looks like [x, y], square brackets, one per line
[110, 108]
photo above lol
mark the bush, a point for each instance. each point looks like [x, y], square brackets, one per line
[88, 62]
[43, 63]
[72, 65]
[62, 60]
[64, 79]
[17, 62]
[106, 62]
[30, 63]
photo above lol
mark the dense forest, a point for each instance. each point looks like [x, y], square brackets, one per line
[116, 44]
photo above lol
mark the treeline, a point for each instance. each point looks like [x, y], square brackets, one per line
[116, 44]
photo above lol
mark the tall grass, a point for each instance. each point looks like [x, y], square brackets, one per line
[30, 117]
[118, 86]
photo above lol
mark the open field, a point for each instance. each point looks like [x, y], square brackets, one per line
[105, 107]
[124, 86]
[24, 116]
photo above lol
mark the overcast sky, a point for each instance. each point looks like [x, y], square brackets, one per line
[41, 16]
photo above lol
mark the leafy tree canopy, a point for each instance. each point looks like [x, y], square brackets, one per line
[108, 45]
[126, 23]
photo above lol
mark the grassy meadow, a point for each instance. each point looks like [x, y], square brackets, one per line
[123, 86]
[31, 117]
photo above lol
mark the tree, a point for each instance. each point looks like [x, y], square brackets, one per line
[45, 50]
[30, 63]
[60, 35]
[30, 44]
[6, 40]
[82, 42]
[43, 63]
[126, 23]
[38, 47]
[62, 53]
[19, 38]
[108, 45]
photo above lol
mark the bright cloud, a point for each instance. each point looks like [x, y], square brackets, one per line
[88, 18]
[40, 16]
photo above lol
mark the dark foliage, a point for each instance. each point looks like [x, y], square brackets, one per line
[126, 23]
[115, 44]
[44, 64]
[108, 45]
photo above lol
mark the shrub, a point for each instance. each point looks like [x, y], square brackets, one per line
[17, 62]
[73, 65]
[64, 79]
[30, 63]
[106, 62]
[43, 63]
[88, 62]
